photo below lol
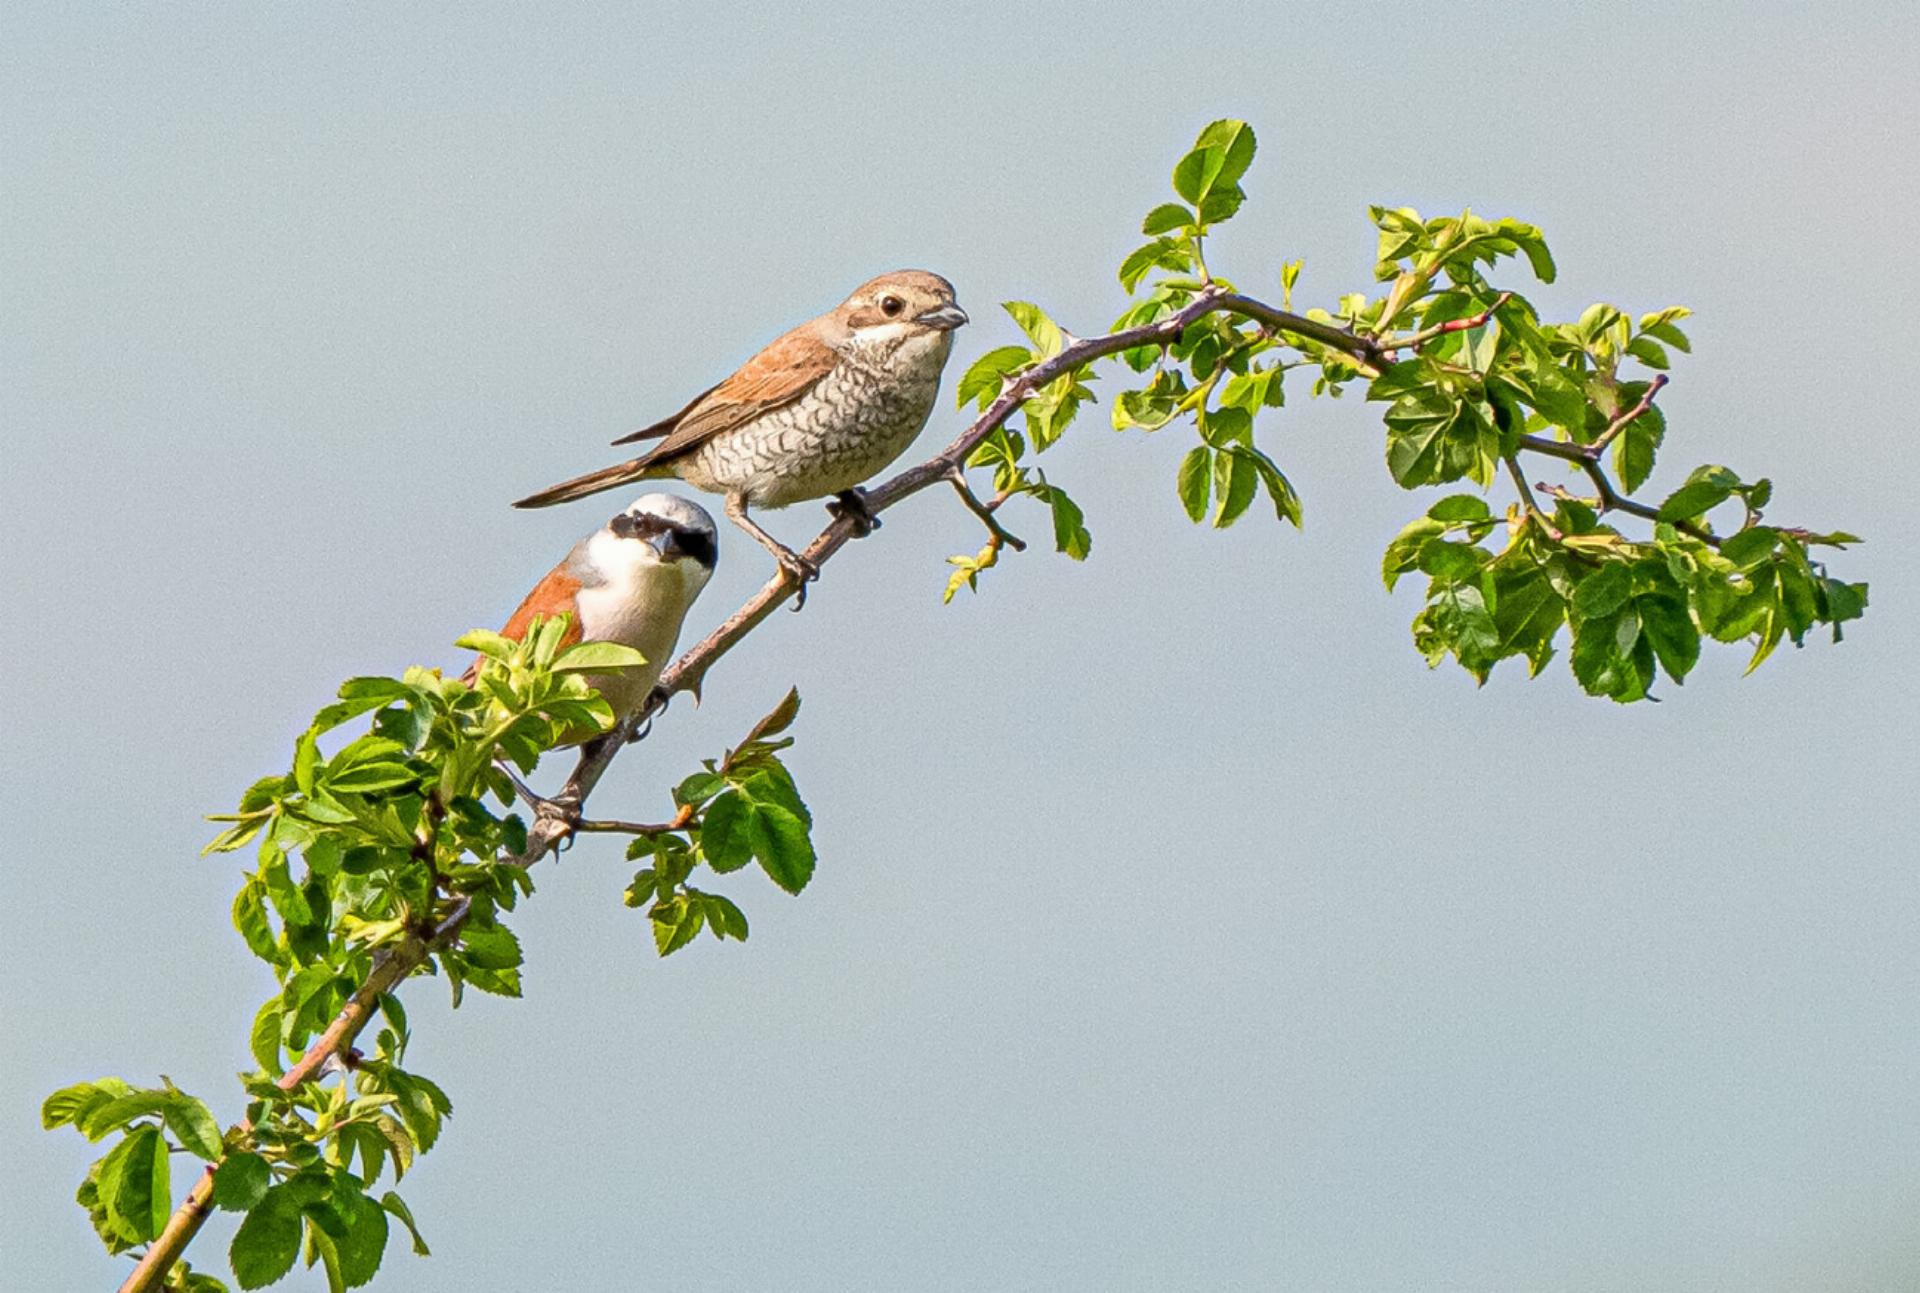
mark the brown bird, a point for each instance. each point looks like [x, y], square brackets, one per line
[632, 581]
[821, 409]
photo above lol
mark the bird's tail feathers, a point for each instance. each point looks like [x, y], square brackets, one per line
[592, 483]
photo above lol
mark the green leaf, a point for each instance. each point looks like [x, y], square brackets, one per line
[488, 643]
[1749, 547]
[1633, 452]
[74, 1104]
[1432, 438]
[106, 1117]
[724, 918]
[288, 898]
[1195, 481]
[1649, 352]
[1555, 393]
[1070, 534]
[490, 947]
[677, 921]
[241, 1181]
[1220, 156]
[1612, 658]
[1165, 218]
[1221, 204]
[366, 778]
[1447, 560]
[422, 1106]
[268, 1239]
[113, 1232]
[1604, 591]
[1705, 489]
[364, 1240]
[1286, 503]
[698, 787]
[778, 719]
[1661, 324]
[1533, 246]
[1161, 253]
[1527, 611]
[981, 383]
[263, 1041]
[780, 842]
[1457, 620]
[1457, 508]
[1254, 389]
[234, 837]
[133, 1184]
[1235, 484]
[1670, 630]
[773, 785]
[397, 1206]
[723, 833]
[1404, 552]
[193, 1125]
[1043, 331]
[598, 657]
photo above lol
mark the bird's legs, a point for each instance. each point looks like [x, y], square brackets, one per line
[852, 504]
[790, 561]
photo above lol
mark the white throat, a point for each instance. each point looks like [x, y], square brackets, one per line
[630, 596]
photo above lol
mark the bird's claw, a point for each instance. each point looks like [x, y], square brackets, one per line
[564, 813]
[803, 572]
[851, 505]
[655, 705]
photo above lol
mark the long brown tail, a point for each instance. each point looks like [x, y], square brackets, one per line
[591, 483]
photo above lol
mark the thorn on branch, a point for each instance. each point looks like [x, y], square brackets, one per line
[1564, 494]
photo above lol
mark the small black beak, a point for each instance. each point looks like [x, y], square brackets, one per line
[944, 317]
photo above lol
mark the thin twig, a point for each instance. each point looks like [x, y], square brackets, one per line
[985, 511]
[1472, 321]
[1619, 424]
[521, 788]
[1610, 498]
[681, 820]
[1533, 511]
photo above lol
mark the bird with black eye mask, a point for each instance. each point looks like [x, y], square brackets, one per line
[632, 582]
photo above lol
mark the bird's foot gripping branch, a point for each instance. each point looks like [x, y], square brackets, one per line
[398, 855]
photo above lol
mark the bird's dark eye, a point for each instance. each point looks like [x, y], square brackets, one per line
[891, 305]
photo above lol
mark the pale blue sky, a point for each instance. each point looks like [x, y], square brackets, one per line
[1175, 928]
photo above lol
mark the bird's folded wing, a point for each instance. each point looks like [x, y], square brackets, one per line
[553, 595]
[783, 372]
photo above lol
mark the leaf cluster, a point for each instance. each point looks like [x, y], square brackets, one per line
[400, 842]
[1472, 378]
[741, 808]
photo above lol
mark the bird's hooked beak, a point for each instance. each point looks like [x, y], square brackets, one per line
[944, 317]
[661, 539]
[667, 543]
